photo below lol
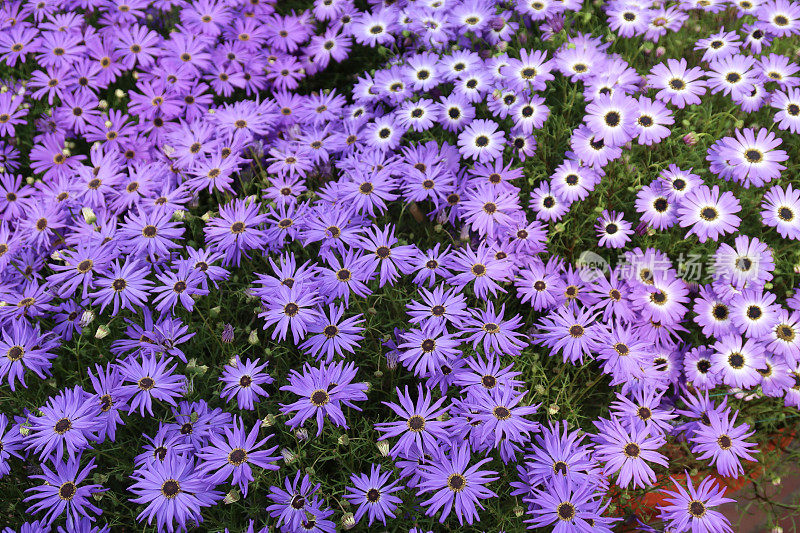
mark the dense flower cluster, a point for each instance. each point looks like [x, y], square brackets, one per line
[120, 119]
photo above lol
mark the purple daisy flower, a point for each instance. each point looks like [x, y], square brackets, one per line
[151, 380]
[676, 84]
[322, 390]
[233, 455]
[481, 141]
[480, 267]
[60, 492]
[173, 491]
[24, 348]
[569, 330]
[564, 503]
[236, 231]
[69, 422]
[456, 485]
[723, 443]
[126, 286]
[293, 307]
[10, 444]
[420, 426]
[688, 507]
[626, 451]
[244, 380]
[490, 329]
[426, 350]
[373, 495]
[781, 210]
[709, 213]
[332, 335]
[292, 507]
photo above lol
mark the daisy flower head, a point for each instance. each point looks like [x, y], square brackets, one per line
[676, 83]
[691, 507]
[748, 264]
[719, 45]
[244, 380]
[781, 210]
[174, 491]
[732, 75]
[481, 141]
[709, 213]
[420, 430]
[612, 230]
[780, 18]
[612, 118]
[62, 492]
[456, 485]
[754, 312]
[736, 361]
[627, 452]
[373, 495]
[751, 158]
[723, 443]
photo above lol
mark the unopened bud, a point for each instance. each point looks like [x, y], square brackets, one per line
[232, 496]
[288, 456]
[301, 434]
[268, 421]
[102, 331]
[179, 215]
[383, 447]
[344, 440]
[348, 521]
[86, 318]
[519, 511]
[119, 93]
[88, 215]
[253, 338]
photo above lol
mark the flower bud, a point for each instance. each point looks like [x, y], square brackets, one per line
[214, 311]
[253, 338]
[88, 215]
[690, 138]
[348, 521]
[119, 93]
[383, 447]
[232, 496]
[288, 456]
[343, 440]
[519, 511]
[102, 331]
[179, 215]
[268, 421]
[301, 434]
[86, 318]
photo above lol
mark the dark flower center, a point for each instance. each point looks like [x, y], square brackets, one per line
[15, 353]
[677, 84]
[489, 381]
[754, 312]
[576, 331]
[658, 298]
[290, 309]
[478, 269]
[489, 208]
[298, 502]
[319, 398]
[644, 413]
[753, 156]
[632, 450]
[170, 488]
[736, 360]
[187, 428]
[245, 381]
[237, 227]
[612, 119]
[491, 327]
[146, 383]
[481, 141]
[344, 275]
[645, 121]
[784, 332]
[501, 413]
[703, 366]
[149, 231]
[720, 311]
[621, 349]
[41, 224]
[456, 482]
[724, 442]
[428, 345]
[383, 252]
[697, 509]
[106, 402]
[781, 20]
[566, 511]
[560, 467]
[615, 295]
[732, 77]
[62, 426]
[793, 109]
[373, 495]
[611, 229]
[785, 214]
[67, 490]
[237, 456]
[416, 423]
[119, 284]
[179, 286]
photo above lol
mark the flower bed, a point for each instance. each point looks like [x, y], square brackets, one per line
[425, 266]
